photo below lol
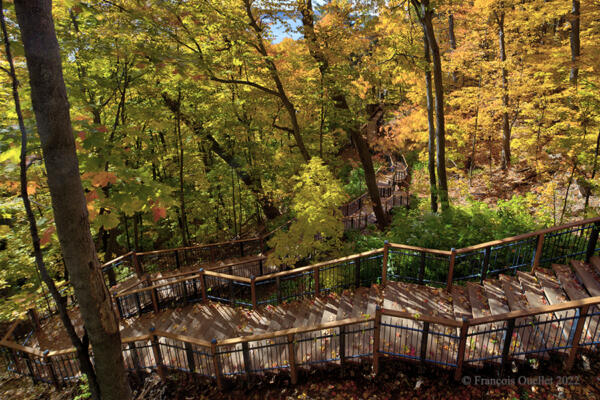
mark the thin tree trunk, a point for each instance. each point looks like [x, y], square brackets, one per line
[49, 99]
[186, 241]
[431, 127]
[505, 162]
[361, 144]
[81, 346]
[425, 14]
[594, 166]
[452, 38]
[565, 201]
[574, 39]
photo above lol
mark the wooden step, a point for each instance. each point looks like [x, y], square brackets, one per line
[587, 276]
[496, 297]
[575, 291]
[460, 303]
[527, 328]
[569, 282]
[595, 262]
[485, 345]
[479, 303]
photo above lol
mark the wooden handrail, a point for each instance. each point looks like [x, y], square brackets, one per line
[535, 311]
[527, 235]
[145, 253]
[313, 266]
[128, 287]
[24, 349]
[182, 338]
[227, 276]
[10, 331]
[422, 317]
[285, 332]
[421, 249]
[114, 260]
[148, 288]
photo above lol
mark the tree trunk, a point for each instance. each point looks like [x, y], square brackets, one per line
[505, 99]
[575, 43]
[452, 38]
[431, 126]
[425, 14]
[361, 144]
[184, 227]
[81, 346]
[51, 107]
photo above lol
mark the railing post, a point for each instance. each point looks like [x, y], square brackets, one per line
[292, 357]
[486, 263]
[246, 355]
[462, 344]
[35, 319]
[278, 285]
[157, 355]
[134, 355]
[216, 363]
[538, 252]
[424, 340]
[451, 269]
[510, 327]
[138, 304]
[422, 268]
[591, 248]
[189, 353]
[376, 335]
[357, 272]
[51, 372]
[118, 303]
[137, 266]
[15, 356]
[384, 264]
[317, 278]
[260, 267]
[203, 284]
[583, 311]
[29, 367]
[253, 291]
[153, 295]
[177, 263]
[342, 346]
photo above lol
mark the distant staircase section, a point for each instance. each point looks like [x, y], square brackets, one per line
[393, 184]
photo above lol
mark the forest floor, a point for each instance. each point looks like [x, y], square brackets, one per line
[407, 381]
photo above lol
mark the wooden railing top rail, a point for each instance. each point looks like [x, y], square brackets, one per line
[181, 338]
[128, 287]
[527, 235]
[421, 249]
[285, 332]
[227, 276]
[321, 264]
[114, 260]
[18, 347]
[11, 329]
[589, 301]
[145, 253]
[423, 317]
[158, 286]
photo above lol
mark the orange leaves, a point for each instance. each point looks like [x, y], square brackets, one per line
[158, 213]
[32, 187]
[101, 179]
[45, 239]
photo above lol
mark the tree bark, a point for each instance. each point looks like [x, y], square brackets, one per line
[505, 99]
[425, 15]
[575, 43]
[361, 144]
[452, 38]
[431, 127]
[51, 107]
[81, 346]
